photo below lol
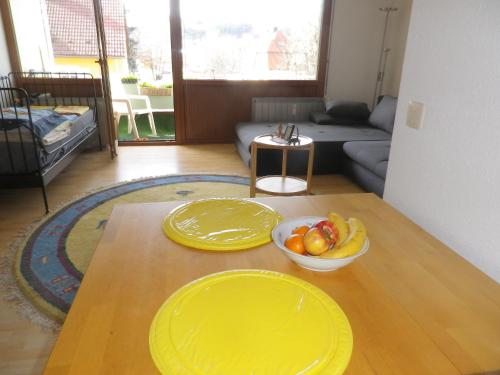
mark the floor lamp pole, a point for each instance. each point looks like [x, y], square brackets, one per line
[384, 52]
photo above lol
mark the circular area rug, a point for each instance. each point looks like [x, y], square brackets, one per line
[52, 259]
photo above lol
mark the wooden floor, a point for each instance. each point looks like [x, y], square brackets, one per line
[24, 347]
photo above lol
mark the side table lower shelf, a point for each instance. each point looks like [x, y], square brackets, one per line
[281, 185]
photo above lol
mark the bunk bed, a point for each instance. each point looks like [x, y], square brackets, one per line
[46, 120]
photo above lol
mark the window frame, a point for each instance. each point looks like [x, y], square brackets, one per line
[323, 50]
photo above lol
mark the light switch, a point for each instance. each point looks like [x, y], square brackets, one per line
[415, 115]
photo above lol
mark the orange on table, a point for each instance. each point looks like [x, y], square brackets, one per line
[295, 242]
[301, 230]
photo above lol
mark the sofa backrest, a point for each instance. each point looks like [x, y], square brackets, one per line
[384, 113]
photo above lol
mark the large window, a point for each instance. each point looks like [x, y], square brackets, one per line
[251, 40]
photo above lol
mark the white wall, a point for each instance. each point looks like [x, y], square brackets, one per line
[32, 34]
[356, 40]
[446, 176]
[4, 52]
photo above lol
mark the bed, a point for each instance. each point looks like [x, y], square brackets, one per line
[46, 120]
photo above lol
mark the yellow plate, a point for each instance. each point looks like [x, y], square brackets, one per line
[250, 322]
[221, 224]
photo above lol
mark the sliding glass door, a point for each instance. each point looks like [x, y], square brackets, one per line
[148, 82]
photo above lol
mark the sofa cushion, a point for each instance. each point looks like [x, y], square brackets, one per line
[373, 155]
[323, 118]
[247, 131]
[384, 113]
[328, 145]
[344, 109]
[328, 140]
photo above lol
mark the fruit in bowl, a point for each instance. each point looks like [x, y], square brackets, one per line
[321, 243]
[320, 238]
[331, 238]
[295, 242]
[301, 230]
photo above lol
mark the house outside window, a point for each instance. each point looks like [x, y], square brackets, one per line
[73, 35]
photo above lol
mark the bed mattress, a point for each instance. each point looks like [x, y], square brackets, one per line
[67, 124]
[77, 125]
[81, 127]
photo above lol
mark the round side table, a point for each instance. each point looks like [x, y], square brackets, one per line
[280, 185]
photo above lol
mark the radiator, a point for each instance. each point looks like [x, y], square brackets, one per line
[285, 109]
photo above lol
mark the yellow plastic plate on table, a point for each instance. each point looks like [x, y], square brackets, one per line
[221, 224]
[250, 322]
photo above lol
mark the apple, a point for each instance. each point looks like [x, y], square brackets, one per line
[329, 230]
[316, 242]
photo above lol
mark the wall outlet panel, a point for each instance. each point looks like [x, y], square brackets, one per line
[415, 115]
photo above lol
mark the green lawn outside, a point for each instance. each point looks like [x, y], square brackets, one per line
[165, 127]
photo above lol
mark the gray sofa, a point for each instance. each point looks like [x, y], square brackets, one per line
[348, 139]
[366, 164]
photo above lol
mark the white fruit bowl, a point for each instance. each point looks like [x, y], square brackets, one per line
[285, 228]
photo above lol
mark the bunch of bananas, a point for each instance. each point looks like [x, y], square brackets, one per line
[352, 236]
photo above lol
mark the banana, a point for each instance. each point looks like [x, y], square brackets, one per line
[341, 225]
[352, 244]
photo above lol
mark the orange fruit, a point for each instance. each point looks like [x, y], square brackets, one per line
[301, 230]
[295, 243]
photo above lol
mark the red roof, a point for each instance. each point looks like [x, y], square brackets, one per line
[73, 32]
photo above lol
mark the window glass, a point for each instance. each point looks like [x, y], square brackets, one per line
[251, 40]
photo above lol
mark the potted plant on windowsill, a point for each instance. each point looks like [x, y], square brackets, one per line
[160, 97]
[130, 85]
[152, 90]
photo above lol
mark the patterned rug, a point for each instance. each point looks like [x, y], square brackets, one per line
[52, 260]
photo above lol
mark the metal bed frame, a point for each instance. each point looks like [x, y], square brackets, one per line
[23, 89]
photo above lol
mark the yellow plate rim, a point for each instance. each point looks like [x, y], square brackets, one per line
[175, 236]
[335, 366]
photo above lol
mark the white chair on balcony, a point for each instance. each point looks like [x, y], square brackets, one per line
[122, 106]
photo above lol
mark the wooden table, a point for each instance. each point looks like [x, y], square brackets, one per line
[280, 185]
[415, 307]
